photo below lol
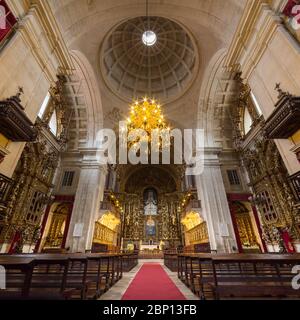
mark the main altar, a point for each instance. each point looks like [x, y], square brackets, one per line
[151, 200]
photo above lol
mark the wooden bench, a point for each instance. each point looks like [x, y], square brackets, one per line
[62, 276]
[35, 278]
[18, 277]
[216, 276]
[75, 277]
[254, 276]
[129, 261]
[171, 261]
[191, 270]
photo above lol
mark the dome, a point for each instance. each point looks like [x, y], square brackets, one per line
[148, 56]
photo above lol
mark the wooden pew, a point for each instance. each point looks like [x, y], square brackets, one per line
[35, 277]
[18, 277]
[254, 276]
[103, 271]
[171, 261]
[129, 261]
[221, 276]
[49, 278]
[192, 270]
[75, 277]
[61, 276]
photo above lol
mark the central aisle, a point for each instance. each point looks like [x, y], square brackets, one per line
[152, 283]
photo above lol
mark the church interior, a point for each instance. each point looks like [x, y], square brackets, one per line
[75, 224]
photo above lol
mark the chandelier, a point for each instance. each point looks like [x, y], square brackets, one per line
[146, 114]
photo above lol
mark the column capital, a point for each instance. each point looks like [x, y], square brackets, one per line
[211, 157]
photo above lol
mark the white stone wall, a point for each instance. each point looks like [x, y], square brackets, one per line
[31, 59]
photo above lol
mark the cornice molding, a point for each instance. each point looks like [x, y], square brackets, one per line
[242, 34]
[38, 13]
[257, 27]
[50, 26]
[19, 7]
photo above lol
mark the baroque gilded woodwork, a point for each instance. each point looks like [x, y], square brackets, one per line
[295, 181]
[55, 234]
[245, 226]
[195, 227]
[15, 125]
[198, 234]
[269, 180]
[166, 223]
[31, 188]
[58, 104]
[238, 112]
[5, 187]
[273, 195]
[31, 184]
[103, 234]
[285, 119]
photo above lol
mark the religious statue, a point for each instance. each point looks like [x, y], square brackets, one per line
[127, 219]
[173, 219]
[150, 227]
[150, 207]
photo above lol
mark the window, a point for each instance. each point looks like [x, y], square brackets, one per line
[7, 20]
[233, 177]
[44, 106]
[53, 123]
[256, 104]
[68, 178]
[247, 121]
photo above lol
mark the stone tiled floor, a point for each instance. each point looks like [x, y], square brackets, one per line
[117, 291]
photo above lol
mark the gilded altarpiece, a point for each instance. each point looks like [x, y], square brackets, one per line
[32, 180]
[164, 226]
[273, 195]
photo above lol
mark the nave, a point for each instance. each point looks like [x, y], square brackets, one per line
[149, 149]
[122, 276]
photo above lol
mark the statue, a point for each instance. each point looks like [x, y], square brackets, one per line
[127, 219]
[150, 227]
[150, 204]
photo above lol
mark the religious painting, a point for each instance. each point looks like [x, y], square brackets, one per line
[150, 227]
[150, 202]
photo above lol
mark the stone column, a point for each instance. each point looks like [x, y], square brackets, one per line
[86, 207]
[215, 208]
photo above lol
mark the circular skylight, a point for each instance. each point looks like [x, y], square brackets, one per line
[149, 38]
[151, 56]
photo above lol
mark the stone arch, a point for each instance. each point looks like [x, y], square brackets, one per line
[83, 95]
[219, 91]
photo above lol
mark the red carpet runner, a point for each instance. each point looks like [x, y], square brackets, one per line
[152, 283]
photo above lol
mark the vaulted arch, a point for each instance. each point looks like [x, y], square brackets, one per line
[84, 98]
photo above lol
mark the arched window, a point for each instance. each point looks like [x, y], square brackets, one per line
[53, 123]
[256, 104]
[44, 106]
[150, 202]
[247, 121]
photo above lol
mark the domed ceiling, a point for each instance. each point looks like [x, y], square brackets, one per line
[163, 69]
